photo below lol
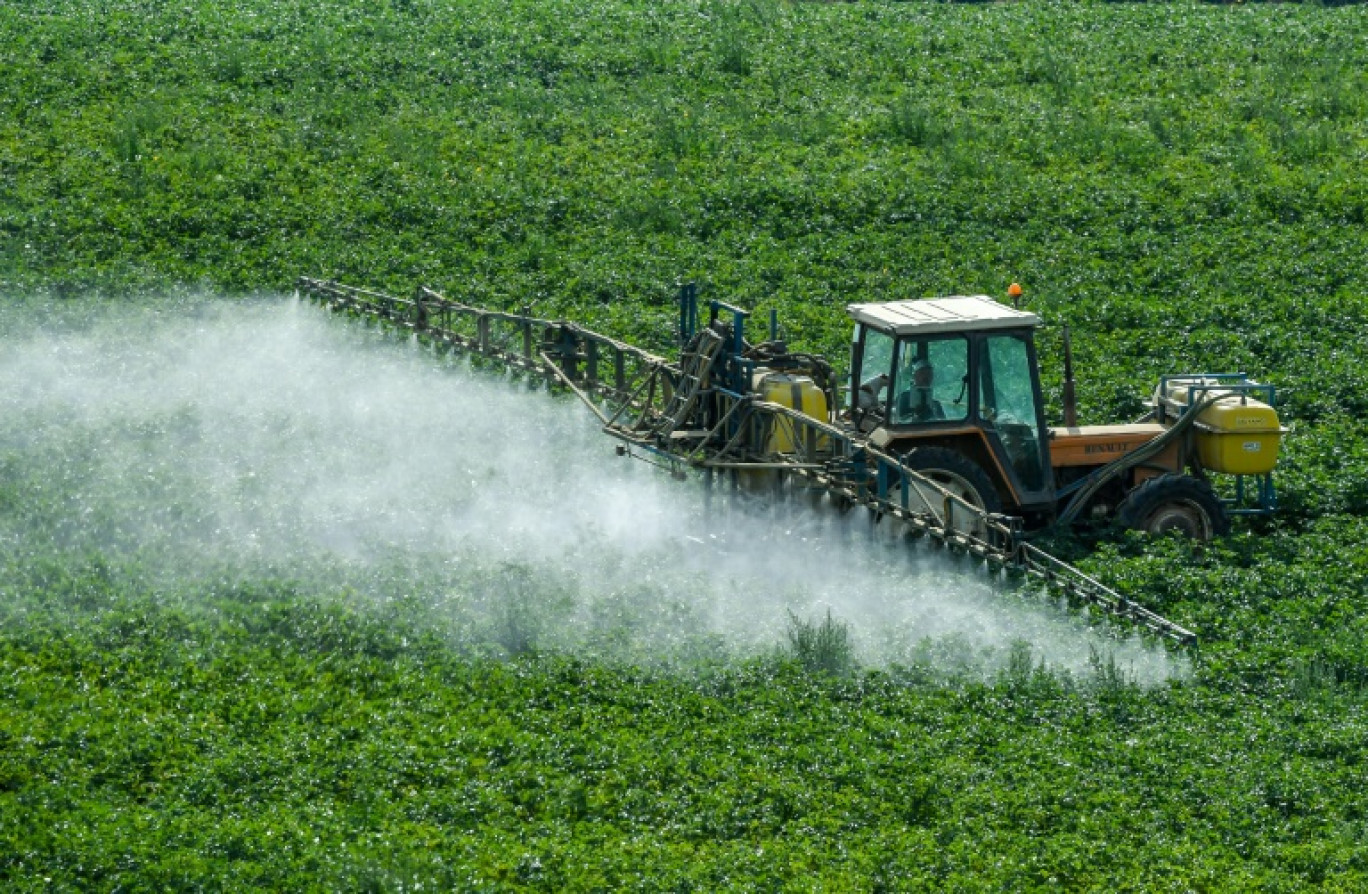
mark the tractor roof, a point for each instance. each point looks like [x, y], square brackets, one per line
[958, 313]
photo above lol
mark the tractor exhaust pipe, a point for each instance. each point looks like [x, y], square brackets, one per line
[1070, 399]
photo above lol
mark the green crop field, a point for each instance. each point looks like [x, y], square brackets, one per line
[188, 702]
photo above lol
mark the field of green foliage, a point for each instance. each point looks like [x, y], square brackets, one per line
[1183, 184]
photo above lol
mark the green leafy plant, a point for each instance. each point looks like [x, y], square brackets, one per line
[821, 647]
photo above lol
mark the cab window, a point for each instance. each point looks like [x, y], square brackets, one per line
[931, 381]
[875, 365]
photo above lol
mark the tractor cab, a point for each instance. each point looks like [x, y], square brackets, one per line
[957, 374]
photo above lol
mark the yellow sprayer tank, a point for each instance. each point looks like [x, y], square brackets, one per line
[796, 392]
[1238, 434]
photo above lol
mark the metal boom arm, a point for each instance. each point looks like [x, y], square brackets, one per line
[696, 413]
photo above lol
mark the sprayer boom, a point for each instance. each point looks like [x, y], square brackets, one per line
[759, 415]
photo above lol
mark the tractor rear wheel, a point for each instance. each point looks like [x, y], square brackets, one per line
[959, 475]
[1175, 503]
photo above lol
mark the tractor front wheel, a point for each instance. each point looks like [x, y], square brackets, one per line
[1175, 503]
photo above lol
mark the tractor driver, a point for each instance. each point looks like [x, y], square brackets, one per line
[915, 403]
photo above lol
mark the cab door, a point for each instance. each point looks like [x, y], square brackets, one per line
[1011, 411]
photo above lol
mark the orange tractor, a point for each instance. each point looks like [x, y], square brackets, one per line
[951, 386]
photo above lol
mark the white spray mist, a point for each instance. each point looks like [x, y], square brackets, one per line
[209, 434]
